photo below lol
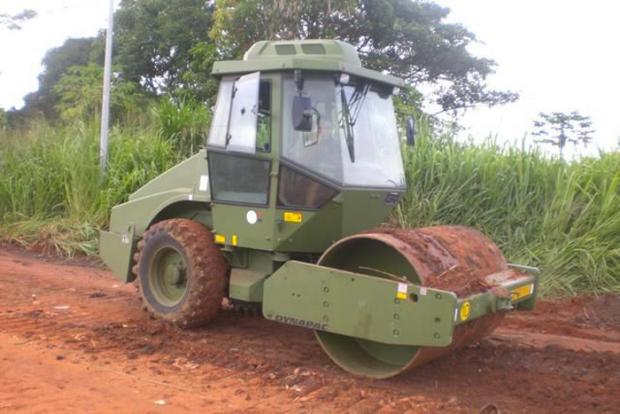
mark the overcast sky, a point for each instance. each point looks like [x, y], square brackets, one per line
[559, 55]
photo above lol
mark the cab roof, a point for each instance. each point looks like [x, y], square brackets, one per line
[311, 54]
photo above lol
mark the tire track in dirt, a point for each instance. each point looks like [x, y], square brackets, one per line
[242, 363]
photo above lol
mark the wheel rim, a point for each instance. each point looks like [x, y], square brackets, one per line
[168, 276]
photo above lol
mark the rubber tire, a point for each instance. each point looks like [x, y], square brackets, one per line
[207, 272]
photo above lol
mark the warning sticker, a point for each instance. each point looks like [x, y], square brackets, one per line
[465, 311]
[401, 292]
[293, 217]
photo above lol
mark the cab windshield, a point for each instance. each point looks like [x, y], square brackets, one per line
[353, 141]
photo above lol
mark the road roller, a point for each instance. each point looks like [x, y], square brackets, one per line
[282, 213]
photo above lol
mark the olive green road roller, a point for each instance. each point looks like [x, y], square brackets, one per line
[281, 213]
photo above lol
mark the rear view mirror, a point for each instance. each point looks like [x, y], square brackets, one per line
[410, 131]
[302, 113]
[299, 80]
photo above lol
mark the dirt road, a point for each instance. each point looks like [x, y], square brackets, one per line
[72, 339]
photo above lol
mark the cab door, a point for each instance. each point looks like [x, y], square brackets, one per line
[240, 162]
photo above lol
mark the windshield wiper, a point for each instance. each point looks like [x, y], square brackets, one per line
[357, 100]
[350, 110]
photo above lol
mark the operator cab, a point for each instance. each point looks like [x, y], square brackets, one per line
[296, 136]
[345, 137]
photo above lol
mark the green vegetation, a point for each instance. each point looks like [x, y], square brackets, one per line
[562, 217]
[51, 194]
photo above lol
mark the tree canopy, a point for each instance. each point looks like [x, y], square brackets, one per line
[410, 39]
[79, 93]
[560, 128]
[154, 39]
[169, 46]
[14, 21]
[57, 61]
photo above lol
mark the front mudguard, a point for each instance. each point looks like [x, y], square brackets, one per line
[116, 250]
[385, 310]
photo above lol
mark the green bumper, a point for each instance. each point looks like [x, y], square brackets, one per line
[383, 310]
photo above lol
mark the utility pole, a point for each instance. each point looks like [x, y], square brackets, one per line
[105, 105]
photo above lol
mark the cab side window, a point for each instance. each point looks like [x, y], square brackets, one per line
[239, 179]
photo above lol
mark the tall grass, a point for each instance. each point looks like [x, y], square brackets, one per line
[562, 217]
[51, 191]
[52, 195]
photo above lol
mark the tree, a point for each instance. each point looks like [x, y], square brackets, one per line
[410, 39]
[198, 84]
[14, 21]
[154, 39]
[559, 128]
[79, 93]
[74, 52]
